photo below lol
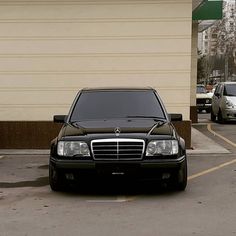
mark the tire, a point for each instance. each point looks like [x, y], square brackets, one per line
[220, 117]
[182, 178]
[55, 179]
[213, 117]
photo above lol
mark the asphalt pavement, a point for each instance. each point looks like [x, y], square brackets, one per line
[29, 207]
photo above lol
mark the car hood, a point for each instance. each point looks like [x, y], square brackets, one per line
[203, 95]
[126, 127]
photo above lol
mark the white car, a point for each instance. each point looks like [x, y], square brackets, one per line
[224, 102]
[203, 99]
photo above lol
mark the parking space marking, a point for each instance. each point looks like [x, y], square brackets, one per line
[1, 157]
[220, 136]
[120, 199]
[104, 201]
[212, 169]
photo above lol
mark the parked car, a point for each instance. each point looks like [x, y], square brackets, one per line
[118, 131]
[224, 102]
[203, 99]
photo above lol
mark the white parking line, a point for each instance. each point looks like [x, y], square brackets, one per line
[105, 201]
[209, 127]
[212, 169]
[120, 199]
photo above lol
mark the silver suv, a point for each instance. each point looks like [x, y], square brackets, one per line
[224, 102]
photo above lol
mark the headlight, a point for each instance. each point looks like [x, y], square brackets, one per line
[72, 148]
[162, 147]
[229, 104]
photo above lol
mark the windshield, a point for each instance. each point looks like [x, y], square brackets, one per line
[201, 89]
[116, 104]
[230, 90]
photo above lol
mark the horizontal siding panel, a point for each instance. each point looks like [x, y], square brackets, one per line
[96, 46]
[42, 98]
[93, 55]
[58, 12]
[97, 2]
[34, 113]
[177, 96]
[91, 29]
[83, 12]
[97, 64]
[126, 10]
[91, 2]
[94, 72]
[76, 81]
[41, 113]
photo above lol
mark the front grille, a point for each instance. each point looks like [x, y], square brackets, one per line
[117, 149]
[203, 101]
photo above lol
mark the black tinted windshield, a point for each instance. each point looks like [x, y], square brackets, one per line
[230, 90]
[116, 104]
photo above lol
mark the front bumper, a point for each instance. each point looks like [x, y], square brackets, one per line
[203, 106]
[147, 168]
[229, 114]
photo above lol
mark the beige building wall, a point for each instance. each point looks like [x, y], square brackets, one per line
[51, 49]
[194, 63]
[193, 107]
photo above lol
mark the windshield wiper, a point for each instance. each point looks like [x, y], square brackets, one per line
[150, 117]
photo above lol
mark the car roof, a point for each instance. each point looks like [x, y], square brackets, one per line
[118, 89]
[228, 82]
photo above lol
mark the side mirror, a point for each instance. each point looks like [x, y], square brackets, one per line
[175, 117]
[59, 118]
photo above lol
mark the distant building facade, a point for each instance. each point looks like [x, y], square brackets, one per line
[212, 41]
[218, 43]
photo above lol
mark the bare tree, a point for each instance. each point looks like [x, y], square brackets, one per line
[223, 41]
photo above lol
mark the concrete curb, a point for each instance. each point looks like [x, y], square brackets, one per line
[24, 152]
[203, 145]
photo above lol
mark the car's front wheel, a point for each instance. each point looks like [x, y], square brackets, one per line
[213, 117]
[55, 179]
[220, 117]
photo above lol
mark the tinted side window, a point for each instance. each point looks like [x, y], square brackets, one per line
[116, 104]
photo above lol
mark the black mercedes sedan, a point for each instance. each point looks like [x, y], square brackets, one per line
[121, 132]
